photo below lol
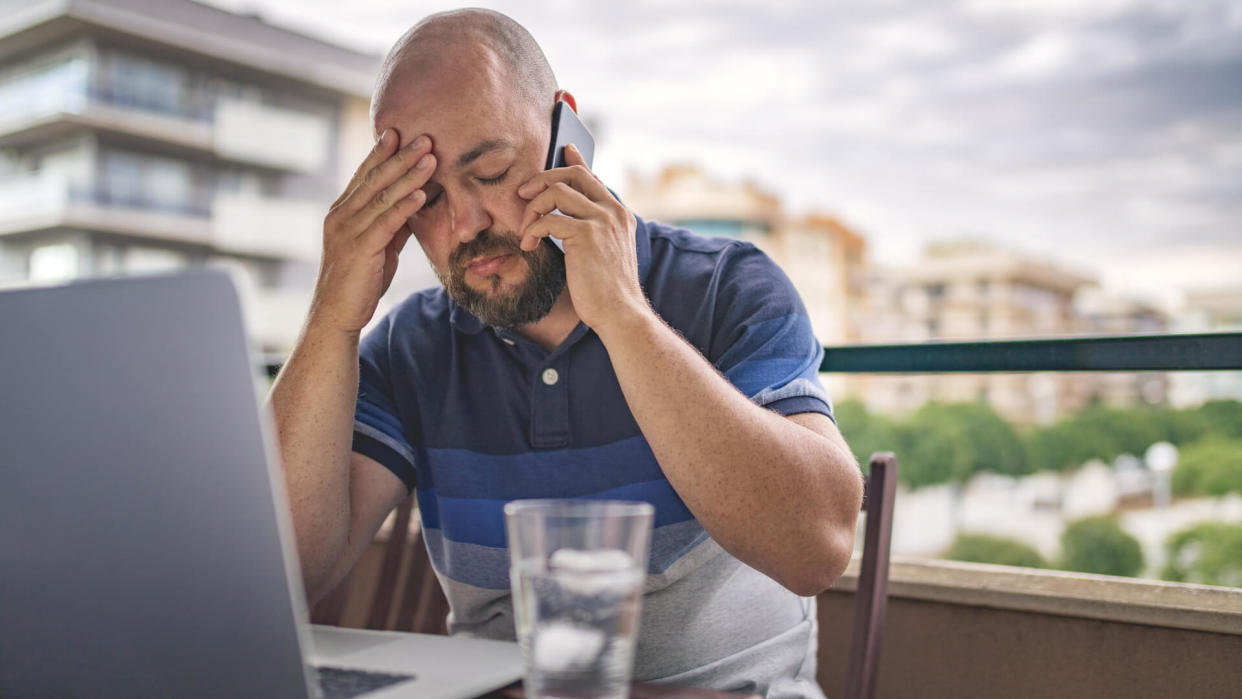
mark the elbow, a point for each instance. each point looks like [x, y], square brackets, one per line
[820, 570]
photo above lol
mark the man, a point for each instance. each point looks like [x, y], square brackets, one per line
[620, 369]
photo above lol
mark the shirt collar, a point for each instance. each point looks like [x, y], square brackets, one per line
[466, 322]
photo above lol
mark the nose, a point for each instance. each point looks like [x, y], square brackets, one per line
[467, 216]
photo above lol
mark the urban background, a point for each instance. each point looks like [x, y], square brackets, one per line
[1074, 185]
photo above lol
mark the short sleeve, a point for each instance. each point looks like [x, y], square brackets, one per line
[378, 431]
[762, 339]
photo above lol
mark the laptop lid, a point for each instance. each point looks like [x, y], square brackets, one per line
[140, 548]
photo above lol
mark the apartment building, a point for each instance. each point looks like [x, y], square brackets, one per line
[142, 135]
[823, 257]
[974, 291]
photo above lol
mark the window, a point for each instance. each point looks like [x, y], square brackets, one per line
[147, 182]
[54, 263]
[138, 82]
[46, 89]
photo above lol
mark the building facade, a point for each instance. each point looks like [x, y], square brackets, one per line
[823, 257]
[141, 136]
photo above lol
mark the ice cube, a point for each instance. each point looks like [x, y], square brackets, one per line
[560, 646]
[597, 561]
[604, 572]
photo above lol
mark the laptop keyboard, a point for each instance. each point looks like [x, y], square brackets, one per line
[342, 683]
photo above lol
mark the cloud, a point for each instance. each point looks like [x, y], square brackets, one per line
[1056, 125]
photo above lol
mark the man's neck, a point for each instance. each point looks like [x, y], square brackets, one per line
[551, 330]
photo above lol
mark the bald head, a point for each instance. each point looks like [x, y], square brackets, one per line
[468, 40]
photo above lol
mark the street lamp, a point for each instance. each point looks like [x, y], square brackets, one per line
[1161, 457]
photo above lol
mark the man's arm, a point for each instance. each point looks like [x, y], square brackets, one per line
[338, 499]
[781, 494]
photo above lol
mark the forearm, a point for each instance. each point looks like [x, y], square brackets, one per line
[773, 493]
[313, 401]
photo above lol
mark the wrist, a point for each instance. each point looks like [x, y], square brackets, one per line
[628, 321]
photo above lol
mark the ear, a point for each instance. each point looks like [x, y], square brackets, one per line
[568, 98]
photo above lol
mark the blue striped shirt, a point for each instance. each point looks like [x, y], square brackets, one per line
[470, 417]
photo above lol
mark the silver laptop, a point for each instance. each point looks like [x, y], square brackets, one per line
[145, 543]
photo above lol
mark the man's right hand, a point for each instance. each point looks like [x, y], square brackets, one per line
[365, 231]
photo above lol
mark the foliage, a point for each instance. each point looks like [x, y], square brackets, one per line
[935, 448]
[984, 548]
[995, 444]
[1099, 545]
[1067, 445]
[1209, 467]
[866, 432]
[1209, 553]
[1221, 417]
[1128, 431]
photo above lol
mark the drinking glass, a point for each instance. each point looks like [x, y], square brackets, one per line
[577, 569]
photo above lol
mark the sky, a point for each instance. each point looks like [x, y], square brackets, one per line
[1105, 135]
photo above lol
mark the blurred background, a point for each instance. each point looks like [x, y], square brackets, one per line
[923, 170]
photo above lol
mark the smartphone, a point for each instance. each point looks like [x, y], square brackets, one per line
[567, 128]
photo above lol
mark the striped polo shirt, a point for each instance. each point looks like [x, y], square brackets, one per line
[471, 417]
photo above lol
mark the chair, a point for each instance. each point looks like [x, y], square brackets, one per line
[871, 595]
[421, 605]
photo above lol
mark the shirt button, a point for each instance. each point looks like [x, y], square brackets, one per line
[508, 341]
[550, 377]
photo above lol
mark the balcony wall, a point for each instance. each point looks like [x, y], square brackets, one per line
[966, 630]
[267, 226]
[277, 138]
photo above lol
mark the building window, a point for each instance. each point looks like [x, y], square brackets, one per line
[47, 89]
[131, 81]
[54, 263]
[148, 182]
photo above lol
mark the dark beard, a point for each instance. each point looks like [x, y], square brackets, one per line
[527, 302]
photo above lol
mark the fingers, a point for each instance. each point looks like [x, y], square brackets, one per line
[559, 196]
[381, 151]
[391, 223]
[555, 225]
[380, 176]
[576, 174]
[407, 185]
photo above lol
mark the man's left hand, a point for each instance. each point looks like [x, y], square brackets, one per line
[601, 263]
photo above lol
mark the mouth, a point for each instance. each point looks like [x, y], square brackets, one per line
[487, 266]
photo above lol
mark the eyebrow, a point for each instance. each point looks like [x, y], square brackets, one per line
[474, 153]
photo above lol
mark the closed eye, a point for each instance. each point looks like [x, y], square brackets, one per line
[494, 180]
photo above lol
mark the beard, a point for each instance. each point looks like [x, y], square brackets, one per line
[524, 302]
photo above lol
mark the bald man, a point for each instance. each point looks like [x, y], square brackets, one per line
[643, 362]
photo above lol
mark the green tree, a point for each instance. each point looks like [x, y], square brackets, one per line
[985, 548]
[1129, 431]
[1100, 545]
[1221, 418]
[1209, 467]
[935, 448]
[995, 444]
[1209, 553]
[1066, 445]
[866, 432]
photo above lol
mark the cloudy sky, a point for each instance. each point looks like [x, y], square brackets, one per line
[1104, 134]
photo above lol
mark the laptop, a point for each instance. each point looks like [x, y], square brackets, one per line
[145, 543]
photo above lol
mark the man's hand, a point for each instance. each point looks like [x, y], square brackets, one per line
[365, 231]
[601, 264]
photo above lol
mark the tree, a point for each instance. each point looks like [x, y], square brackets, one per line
[935, 448]
[1222, 418]
[1129, 431]
[1100, 545]
[1066, 445]
[1209, 553]
[995, 445]
[999, 550]
[1209, 467]
[865, 431]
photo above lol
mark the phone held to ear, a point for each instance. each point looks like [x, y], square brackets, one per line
[567, 128]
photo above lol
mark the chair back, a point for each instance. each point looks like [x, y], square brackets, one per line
[405, 580]
[871, 596]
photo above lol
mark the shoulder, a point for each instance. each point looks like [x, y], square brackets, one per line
[732, 267]
[417, 323]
